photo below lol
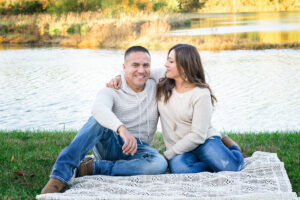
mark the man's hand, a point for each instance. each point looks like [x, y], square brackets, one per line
[130, 145]
[115, 83]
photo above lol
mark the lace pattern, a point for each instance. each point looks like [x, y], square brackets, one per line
[263, 177]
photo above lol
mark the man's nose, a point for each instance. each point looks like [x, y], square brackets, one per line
[141, 69]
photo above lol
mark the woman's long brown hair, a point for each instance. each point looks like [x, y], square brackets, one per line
[187, 58]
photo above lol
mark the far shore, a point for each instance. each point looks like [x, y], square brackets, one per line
[96, 31]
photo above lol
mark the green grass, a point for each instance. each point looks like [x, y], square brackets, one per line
[36, 151]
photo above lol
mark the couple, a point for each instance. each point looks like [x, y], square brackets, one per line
[124, 121]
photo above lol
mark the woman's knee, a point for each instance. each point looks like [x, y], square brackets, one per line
[182, 164]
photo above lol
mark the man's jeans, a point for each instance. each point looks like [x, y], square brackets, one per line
[146, 160]
[212, 156]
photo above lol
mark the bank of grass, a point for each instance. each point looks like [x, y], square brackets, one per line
[35, 152]
[100, 30]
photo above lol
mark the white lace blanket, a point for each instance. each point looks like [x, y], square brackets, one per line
[263, 177]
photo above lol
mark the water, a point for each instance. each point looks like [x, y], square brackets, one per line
[54, 88]
[279, 27]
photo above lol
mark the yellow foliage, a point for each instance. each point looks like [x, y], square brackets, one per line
[221, 6]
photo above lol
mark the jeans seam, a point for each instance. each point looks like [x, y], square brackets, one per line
[61, 179]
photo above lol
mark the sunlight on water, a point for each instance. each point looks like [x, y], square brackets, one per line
[54, 88]
[261, 27]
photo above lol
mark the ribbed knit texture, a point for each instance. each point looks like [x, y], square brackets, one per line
[137, 111]
[185, 118]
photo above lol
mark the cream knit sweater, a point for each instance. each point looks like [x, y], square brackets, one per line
[137, 111]
[185, 119]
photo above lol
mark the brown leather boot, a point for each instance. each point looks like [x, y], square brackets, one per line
[54, 185]
[227, 141]
[85, 168]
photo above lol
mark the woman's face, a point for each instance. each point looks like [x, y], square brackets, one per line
[171, 66]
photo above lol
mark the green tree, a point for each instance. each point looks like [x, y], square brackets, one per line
[189, 5]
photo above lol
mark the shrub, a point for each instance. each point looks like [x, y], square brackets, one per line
[189, 5]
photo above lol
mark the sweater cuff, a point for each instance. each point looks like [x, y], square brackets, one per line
[169, 154]
[116, 126]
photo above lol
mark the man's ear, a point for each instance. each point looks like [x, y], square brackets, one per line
[124, 67]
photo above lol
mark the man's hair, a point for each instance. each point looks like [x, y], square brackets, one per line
[135, 49]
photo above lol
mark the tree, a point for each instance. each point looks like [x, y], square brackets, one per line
[189, 5]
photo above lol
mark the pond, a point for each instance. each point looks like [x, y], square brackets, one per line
[54, 88]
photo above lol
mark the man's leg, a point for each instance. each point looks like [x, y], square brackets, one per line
[146, 160]
[71, 156]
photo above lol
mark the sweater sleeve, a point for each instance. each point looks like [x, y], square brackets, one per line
[157, 73]
[102, 110]
[202, 113]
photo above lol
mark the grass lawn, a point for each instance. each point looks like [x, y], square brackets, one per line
[35, 152]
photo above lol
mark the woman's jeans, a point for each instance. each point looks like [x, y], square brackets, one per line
[110, 160]
[212, 156]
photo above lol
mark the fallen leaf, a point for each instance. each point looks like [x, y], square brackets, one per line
[22, 173]
[12, 158]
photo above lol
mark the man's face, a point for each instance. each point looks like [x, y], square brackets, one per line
[137, 70]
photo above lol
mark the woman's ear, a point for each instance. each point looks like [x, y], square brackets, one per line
[182, 74]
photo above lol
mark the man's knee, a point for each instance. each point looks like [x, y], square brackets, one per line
[154, 164]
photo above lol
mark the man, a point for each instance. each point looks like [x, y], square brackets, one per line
[120, 130]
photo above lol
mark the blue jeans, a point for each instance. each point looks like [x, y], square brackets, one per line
[212, 156]
[108, 145]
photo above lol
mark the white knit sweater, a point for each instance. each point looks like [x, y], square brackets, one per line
[137, 111]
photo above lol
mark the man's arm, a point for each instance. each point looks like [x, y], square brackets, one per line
[102, 112]
[155, 74]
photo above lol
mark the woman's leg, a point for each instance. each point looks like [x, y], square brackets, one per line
[187, 163]
[218, 157]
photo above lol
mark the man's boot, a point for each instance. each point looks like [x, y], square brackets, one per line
[85, 168]
[227, 141]
[54, 185]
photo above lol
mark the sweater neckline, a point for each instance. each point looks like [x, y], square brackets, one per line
[184, 93]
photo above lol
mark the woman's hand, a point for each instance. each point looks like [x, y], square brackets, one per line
[115, 83]
[166, 158]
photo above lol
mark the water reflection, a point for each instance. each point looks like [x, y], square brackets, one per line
[262, 27]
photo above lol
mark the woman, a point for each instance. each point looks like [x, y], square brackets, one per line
[185, 103]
